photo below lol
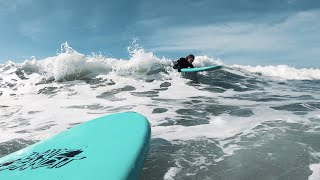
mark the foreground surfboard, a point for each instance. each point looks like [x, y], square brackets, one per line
[112, 147]
[207, 68]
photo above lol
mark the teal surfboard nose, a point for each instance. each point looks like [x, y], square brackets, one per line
[111, 147]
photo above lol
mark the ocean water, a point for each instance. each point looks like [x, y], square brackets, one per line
[237, 123]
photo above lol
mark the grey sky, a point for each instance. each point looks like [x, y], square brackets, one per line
[243, 31]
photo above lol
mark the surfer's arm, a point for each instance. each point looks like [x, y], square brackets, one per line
[176, 65]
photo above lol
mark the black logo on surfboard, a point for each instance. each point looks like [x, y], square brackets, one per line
[53, 158]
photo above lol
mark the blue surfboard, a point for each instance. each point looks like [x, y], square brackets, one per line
[199, 69]
[111, 147]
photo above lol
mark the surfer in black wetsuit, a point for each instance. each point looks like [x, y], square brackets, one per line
[184, 62]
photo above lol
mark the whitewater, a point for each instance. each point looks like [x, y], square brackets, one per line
[239, 122]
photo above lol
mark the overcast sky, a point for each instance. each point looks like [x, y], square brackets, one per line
[265, 32]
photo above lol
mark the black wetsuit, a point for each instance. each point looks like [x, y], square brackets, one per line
[182, 63]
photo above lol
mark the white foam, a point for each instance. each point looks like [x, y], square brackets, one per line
[55, 108]
[171, 173]
[71, 63]
[283, 71]
[315, 168]
[201, 61]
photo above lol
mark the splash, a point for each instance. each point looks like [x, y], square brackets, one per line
[70, 64]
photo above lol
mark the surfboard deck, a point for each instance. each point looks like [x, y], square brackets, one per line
[199, 69]
[111, 147]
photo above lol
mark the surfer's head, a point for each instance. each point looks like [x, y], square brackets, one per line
[190, 58]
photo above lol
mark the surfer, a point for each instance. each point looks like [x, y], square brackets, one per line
[184, 62]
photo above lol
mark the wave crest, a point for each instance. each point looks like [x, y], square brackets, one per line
[282, 71]
[71, 65]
